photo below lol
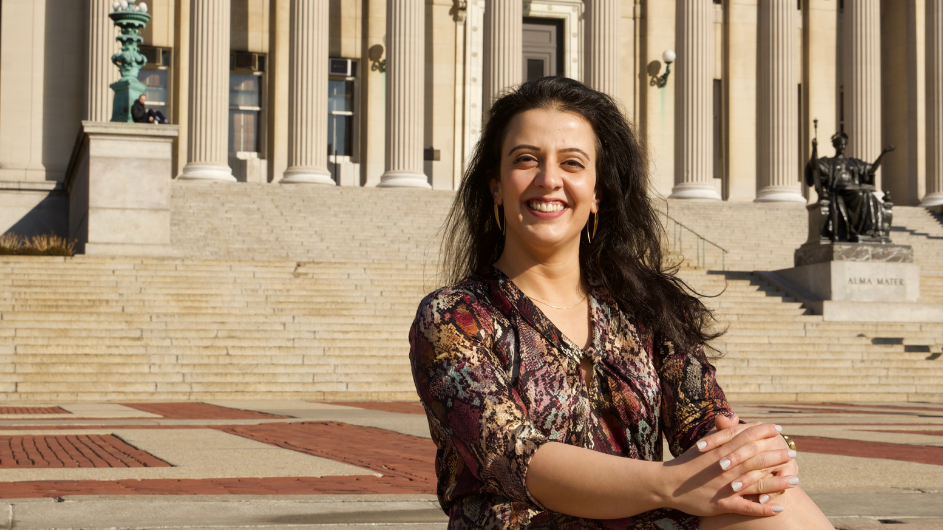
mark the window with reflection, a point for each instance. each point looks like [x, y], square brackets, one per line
[156, 77]
[245, 110]
[340, 118]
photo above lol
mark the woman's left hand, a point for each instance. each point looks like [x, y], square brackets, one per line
[753, 483]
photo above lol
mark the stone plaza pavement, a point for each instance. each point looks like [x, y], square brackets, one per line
[298, 464]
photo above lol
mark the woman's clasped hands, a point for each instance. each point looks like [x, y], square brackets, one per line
[737, 468]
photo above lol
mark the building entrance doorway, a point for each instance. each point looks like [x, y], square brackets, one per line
[543, 47]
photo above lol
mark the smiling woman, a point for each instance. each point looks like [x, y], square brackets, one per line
[563, 350]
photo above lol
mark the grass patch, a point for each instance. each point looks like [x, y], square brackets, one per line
[43, 245]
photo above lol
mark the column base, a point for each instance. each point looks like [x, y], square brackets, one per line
[779, 195]
[932, 199]
[694, 191]
[301, 175]
[404, 179]
[207, 172]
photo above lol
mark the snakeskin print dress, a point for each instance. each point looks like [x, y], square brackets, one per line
[498, 380]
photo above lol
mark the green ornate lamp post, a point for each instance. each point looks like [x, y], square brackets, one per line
[131, 17]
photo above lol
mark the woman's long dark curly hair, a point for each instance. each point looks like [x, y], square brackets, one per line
[625, 256]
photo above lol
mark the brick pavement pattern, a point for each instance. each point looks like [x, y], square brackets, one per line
[200, 411]
[80, 450]
[397, 456]
[403, 407]
[33, 410]
[406, 462]
[919, 454]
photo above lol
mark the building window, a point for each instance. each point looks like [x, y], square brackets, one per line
[246, 104]
[340, 109]
[719, 149]
[156, 77]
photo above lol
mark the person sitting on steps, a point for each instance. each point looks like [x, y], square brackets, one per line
[142, 114]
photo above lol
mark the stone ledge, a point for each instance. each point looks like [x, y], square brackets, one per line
[130, 129]
[848, 311]
[819, 253]
[44, 186]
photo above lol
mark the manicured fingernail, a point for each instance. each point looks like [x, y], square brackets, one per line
[792, 454]
[778, 428]
[701, 445]
[778, 509]
[763, 499]
[724, 464]
[793, 481]
[737, 486]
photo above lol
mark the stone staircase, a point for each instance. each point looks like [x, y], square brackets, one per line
[774, 351]
[91, 329]
[298, 292]
[302, 223]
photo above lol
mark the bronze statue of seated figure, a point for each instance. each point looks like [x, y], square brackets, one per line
[847, 209]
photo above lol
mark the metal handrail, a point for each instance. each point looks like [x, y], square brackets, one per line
[701, 242]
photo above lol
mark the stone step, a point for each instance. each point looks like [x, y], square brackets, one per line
[829, 355]
[850, 365]
[148, 329]
[797, 374]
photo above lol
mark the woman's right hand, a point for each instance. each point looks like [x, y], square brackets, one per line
[701, 481]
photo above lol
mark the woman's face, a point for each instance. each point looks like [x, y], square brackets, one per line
[547, 178]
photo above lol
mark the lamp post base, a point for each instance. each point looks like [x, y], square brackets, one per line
[127, 91]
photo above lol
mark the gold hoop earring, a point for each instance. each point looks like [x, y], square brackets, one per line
[497, 217]
[589, 239]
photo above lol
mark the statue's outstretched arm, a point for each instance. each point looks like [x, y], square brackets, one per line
[877, 163]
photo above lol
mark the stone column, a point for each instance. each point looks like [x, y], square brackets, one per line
[861, 76]
[820, 69]
[778, 124]
[603, 45]
[694, 102]
[307, 94]
[208, 105]
[504, 48]
[100, 73]
[934, 47]
[405, 125]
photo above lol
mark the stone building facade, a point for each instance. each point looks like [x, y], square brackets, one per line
[391, 92]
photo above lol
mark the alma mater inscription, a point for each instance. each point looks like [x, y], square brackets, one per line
[875, 281]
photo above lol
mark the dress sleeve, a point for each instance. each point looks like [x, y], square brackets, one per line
[466, 393]
[691, 396]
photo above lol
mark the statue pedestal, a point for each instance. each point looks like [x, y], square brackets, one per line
[119, 184]
[857, 282]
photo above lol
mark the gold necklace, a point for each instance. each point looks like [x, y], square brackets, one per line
[555, 306]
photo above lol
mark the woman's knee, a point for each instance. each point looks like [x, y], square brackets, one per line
[799, 513]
